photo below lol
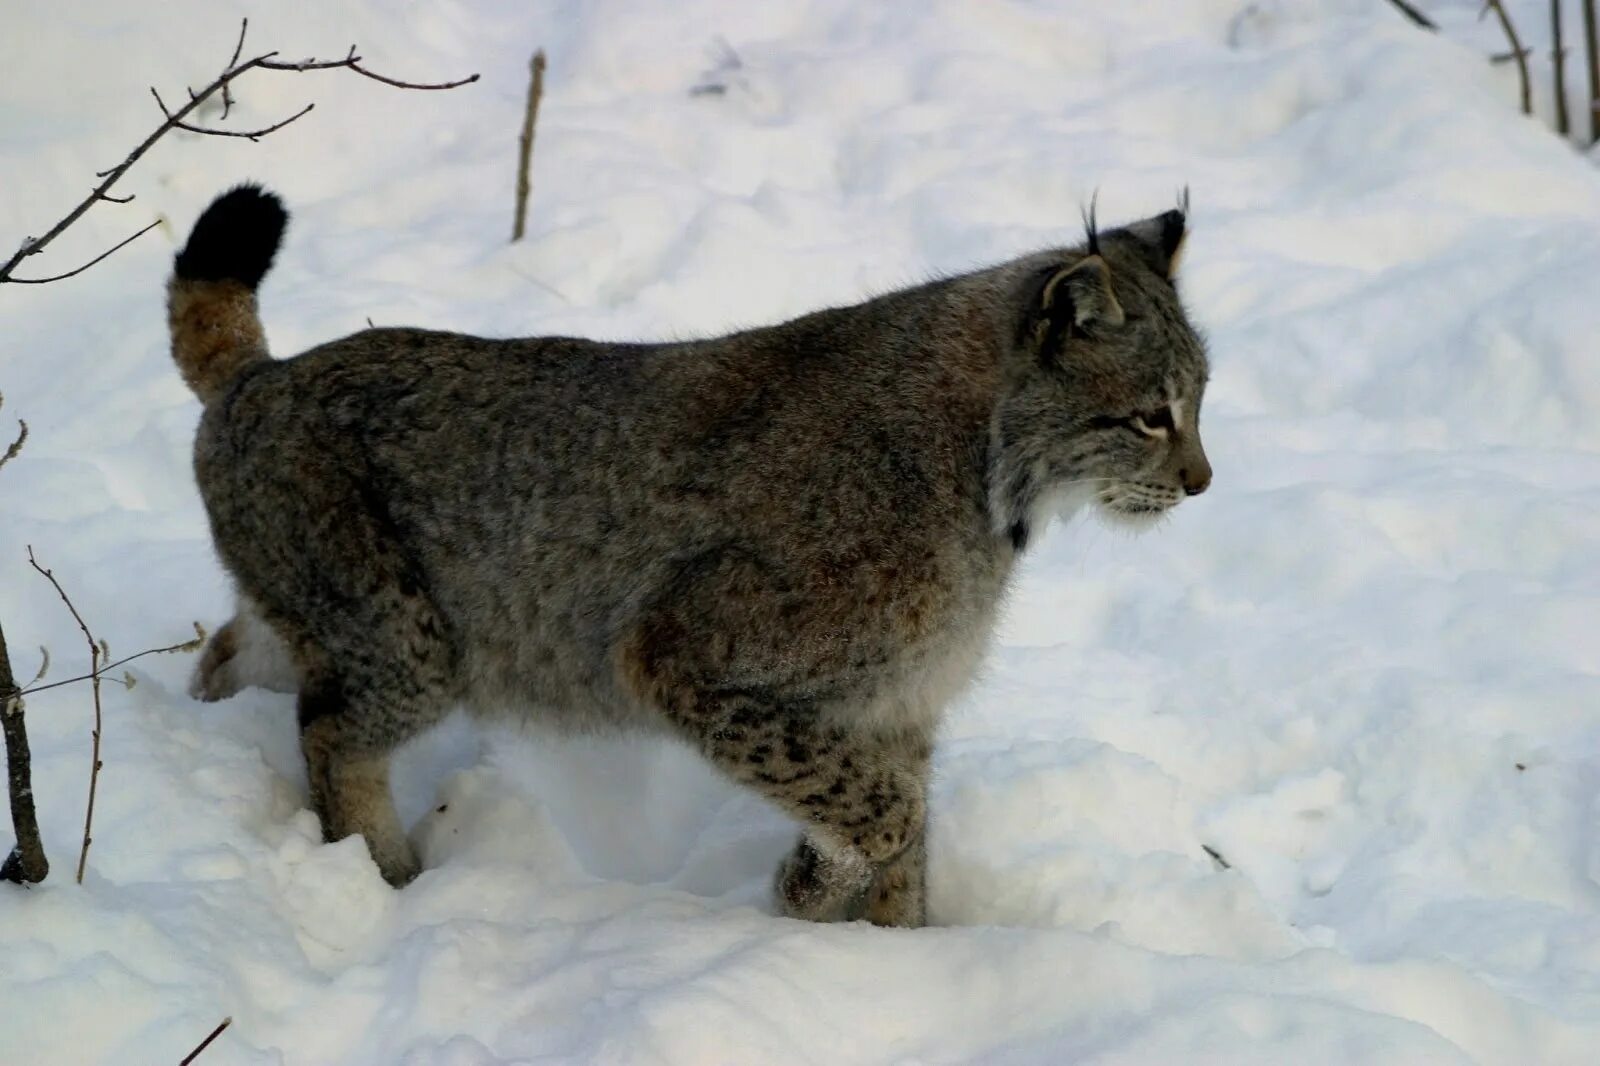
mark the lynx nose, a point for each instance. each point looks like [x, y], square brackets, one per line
[1196, 479]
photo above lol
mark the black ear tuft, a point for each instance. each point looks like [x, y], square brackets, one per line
[1157, 239]
[1173, 227]
[1091, 228]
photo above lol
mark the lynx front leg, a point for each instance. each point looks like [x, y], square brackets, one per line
[899, 892]
[836, 884]
[347, 747]
[862, 800]
[860, 795]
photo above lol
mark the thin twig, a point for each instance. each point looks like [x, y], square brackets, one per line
[525, 143]
[95, 648]
[187, 1059]
[90, 263]
[250, 135]
[353, 65]
[188, 645]
[175, 120]
[227, 92]
[128, 199]
[1216, 857]
[1516, 50]
[1559, 55]
[1415, 16]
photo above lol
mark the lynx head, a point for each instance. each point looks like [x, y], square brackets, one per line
[1105, 381]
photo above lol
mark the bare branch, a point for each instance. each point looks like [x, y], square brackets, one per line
[175, 120]
[353, 65]
[187, 645]
[187, 1059]
[90, 263]
[94, 676]
[128, 199]
[1415, 16]
[1517, 51]
[250, 135]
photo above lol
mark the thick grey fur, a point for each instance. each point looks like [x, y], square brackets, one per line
[787, 546]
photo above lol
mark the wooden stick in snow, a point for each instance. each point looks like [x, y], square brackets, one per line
[525, 143]
[1559, 55]
[1592, 52]
[26, 863]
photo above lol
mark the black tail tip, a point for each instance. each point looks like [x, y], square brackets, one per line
[235, 238]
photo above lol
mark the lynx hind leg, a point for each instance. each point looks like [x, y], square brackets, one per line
[214, 676]
[368, 689]
[244, 651]
[375, 659]
[347, 744]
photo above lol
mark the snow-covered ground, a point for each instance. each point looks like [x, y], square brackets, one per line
[1363, 671]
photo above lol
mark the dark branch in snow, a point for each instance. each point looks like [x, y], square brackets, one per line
[1591, 40]
[176, 120]
[26, 864]
[1517, 51]
[187, 1059]
[1558, 55]
[96, 648]
[1415, 16]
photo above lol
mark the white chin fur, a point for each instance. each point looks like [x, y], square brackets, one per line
[1059, 505]
[1136, 521]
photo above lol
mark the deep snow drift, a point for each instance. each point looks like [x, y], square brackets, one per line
[1362, 670]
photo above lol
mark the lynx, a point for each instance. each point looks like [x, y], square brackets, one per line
[785, 547]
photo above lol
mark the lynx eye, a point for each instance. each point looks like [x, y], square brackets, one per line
[1152, 422]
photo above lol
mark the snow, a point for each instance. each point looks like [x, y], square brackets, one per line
[1361, 670]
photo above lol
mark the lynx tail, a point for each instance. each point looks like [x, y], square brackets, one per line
[211, 298]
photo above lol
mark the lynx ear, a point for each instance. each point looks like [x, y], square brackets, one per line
[1159, 239]
[1080, 296]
